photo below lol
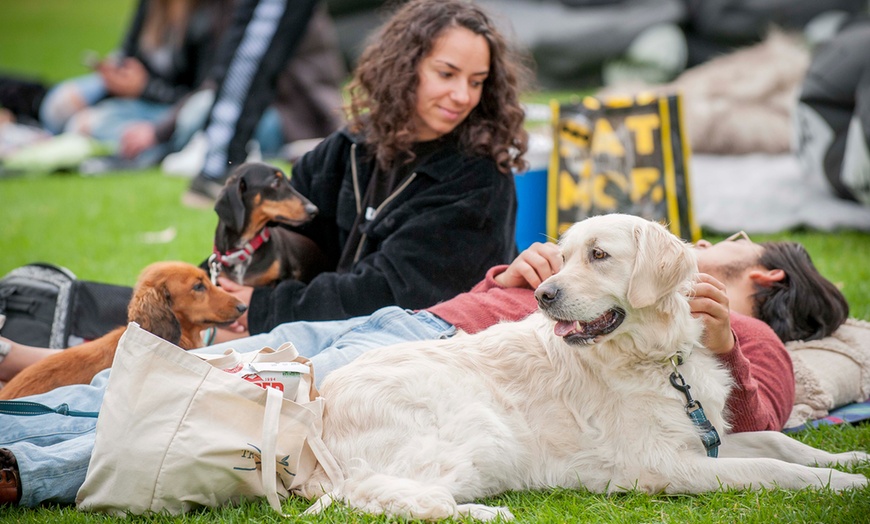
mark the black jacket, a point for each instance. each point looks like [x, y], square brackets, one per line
[433, 239]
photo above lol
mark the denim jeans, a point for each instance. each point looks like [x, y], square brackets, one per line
[83, 103]
[53, 451]
[333, 344]
[68, 97]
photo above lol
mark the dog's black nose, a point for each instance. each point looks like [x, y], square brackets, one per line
[311, 209]
[241, 308]
[546, 294]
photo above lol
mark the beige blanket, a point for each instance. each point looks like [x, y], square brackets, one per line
[830, 372]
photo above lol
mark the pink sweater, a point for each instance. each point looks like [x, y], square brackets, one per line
[762, 398]
[487, 304]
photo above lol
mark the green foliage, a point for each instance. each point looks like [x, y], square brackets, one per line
[46, 39]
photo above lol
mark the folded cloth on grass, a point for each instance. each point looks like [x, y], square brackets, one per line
[850, 413]
[831, 373]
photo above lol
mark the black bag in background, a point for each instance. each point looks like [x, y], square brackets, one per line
[47, 306]
[22, 96]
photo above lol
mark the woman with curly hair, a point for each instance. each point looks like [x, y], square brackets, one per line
[416, 195]
[387, 78]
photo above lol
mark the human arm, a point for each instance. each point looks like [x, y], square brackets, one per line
[239, 328]
[19, 357]
[124, 77]
[134, 73]
[763, 392]
[506, 294]
[763, 395]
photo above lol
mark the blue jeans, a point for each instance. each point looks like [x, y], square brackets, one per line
[53, 451]
[69, 97]
[83, 105]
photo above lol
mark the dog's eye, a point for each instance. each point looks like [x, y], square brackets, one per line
[199, 287]
[599, 254]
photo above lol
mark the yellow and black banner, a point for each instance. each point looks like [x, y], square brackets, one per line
[620, 155]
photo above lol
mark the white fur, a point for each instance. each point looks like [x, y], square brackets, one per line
[421, 429]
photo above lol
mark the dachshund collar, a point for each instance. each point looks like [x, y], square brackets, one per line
[240, 256]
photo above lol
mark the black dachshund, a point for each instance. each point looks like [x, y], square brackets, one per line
[250, 246]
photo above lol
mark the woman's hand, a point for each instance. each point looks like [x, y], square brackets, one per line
[239, 328]
[710, 304]
[125, 78]
[531, 267]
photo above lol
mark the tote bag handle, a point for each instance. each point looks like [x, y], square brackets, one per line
[271, 416]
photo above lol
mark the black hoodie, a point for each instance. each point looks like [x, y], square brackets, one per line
[435, 237]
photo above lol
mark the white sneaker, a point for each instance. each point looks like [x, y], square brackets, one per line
[189, 161]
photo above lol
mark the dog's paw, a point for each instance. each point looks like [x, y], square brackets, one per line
[840, 481]
[851, 457]
[484, 513]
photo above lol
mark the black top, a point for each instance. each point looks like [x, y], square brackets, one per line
[433, 240]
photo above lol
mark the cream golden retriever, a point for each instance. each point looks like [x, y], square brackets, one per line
[575, 395]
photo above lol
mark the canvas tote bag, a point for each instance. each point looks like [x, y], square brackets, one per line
[176, 433]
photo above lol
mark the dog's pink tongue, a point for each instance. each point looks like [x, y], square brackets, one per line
[564, 328]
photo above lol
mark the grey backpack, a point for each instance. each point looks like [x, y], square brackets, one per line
[45, 305]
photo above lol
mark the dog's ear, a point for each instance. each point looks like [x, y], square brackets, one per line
[230, 207]
[151, 308]
[663, 262]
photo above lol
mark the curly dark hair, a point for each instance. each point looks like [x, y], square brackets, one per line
[802, 306]
[384, 86]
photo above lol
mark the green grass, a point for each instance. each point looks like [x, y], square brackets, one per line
[99, 228]
[46, 38]
[563, 505]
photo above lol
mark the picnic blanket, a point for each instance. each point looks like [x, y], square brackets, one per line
[848, 414]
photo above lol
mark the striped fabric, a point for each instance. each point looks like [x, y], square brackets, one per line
[240, 75]
[848, 414]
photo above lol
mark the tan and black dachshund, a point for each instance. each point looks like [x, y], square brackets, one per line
[250, 246]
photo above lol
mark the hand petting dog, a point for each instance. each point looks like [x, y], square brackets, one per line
[534, 265]
[710, 304]
[239, 328]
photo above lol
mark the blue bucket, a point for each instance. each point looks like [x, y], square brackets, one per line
[532, 190]
[532, 207]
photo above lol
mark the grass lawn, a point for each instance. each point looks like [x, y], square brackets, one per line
[108, 228]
